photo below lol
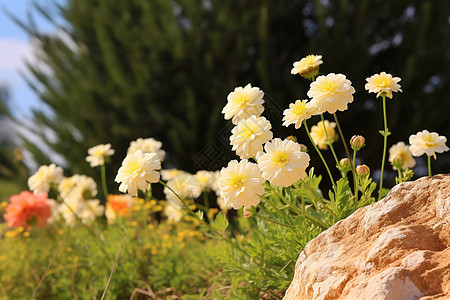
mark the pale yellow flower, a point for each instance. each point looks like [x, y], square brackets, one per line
[90, 210]
[240, 184]
[243, 103]
[98, 153]
[307, 67]
[283, 162]
[149, 145]
[298, 112]
[185, 185]
[319, 135]
[214, 181]
[331, 93]
[383, 83]
[168, 174]
[174, 213]
[249, 135]
[204, 178]
[401, 150]
[137, 171]
[427, 143]
[40, 181]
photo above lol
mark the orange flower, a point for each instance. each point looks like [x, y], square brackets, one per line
[120, 203]
[28, 209]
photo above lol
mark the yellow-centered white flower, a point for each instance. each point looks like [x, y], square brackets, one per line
[240, 184]
[98, 153]
[319, 135]
[298, 112]
[137, 171]
[149, 145]
[40, 181]
[243, 103]
[425, 142]
[383, 83]
[401, 150]
[307, 67]
[283, 162]
[185, 185]
[249, 135]
[331, 93]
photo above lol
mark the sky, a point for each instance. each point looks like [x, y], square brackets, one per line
[15, 48]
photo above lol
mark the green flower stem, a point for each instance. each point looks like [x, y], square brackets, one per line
[318, 198]
[272, 204]
[105, 188]
[273, 221]
[429, 166]
[182, 201]
[355, 181]
[344, 141]
[233, 245]
[318, 152]
[292, 207]
[385, 135]
[329, 142]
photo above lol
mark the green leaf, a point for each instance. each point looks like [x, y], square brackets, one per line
[200, 214]
[221, 222]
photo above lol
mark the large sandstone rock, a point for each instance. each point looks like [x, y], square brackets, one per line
[397, 248]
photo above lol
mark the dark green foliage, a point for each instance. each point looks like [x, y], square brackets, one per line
[163, 69]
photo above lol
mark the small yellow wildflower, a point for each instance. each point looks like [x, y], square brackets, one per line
[383, 83]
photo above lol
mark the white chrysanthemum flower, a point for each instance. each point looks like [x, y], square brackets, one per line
[40, 181]
[307, 67]
[98, 153]
[149, 145]
[243, 103]
[383, 83]
[185, 185]
[137, 171]
[240, 184]
[56, 211]
[283, 162]
[319, 135]
[427, 143]
[174, 213]
[401, 150]
[204, 178]
[298, 112]
[66, 185]
[249, 135]
[90, 210]
[222, 205]
[331, 93]
[168, 174]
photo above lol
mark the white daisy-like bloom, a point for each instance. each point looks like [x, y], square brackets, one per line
[40, 181]
[249, 135]
[383, 83]
[98, 153]
[401, 150]
[185, 185]
[283, 162]
[149, 145]
[307, 67]
[319, 135]
[222, 205]
[204, 178]
[168, 174]
[241, 184]
[91, 210]
[298, 112]
[243, 103]
[425, 142]
[66, 185]
[56, 211]
[174, 213]
[331, 93]
[137, 171]
[110, 214]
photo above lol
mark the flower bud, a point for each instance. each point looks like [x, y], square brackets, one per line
[303, 148]
[345, 165]
[362, 170]
[247, 213]
[357, 142]
[292, 138]
[398, 162]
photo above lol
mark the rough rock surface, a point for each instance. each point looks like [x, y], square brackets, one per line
[397, 248]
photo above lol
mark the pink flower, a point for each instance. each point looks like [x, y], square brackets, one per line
[28, 209]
